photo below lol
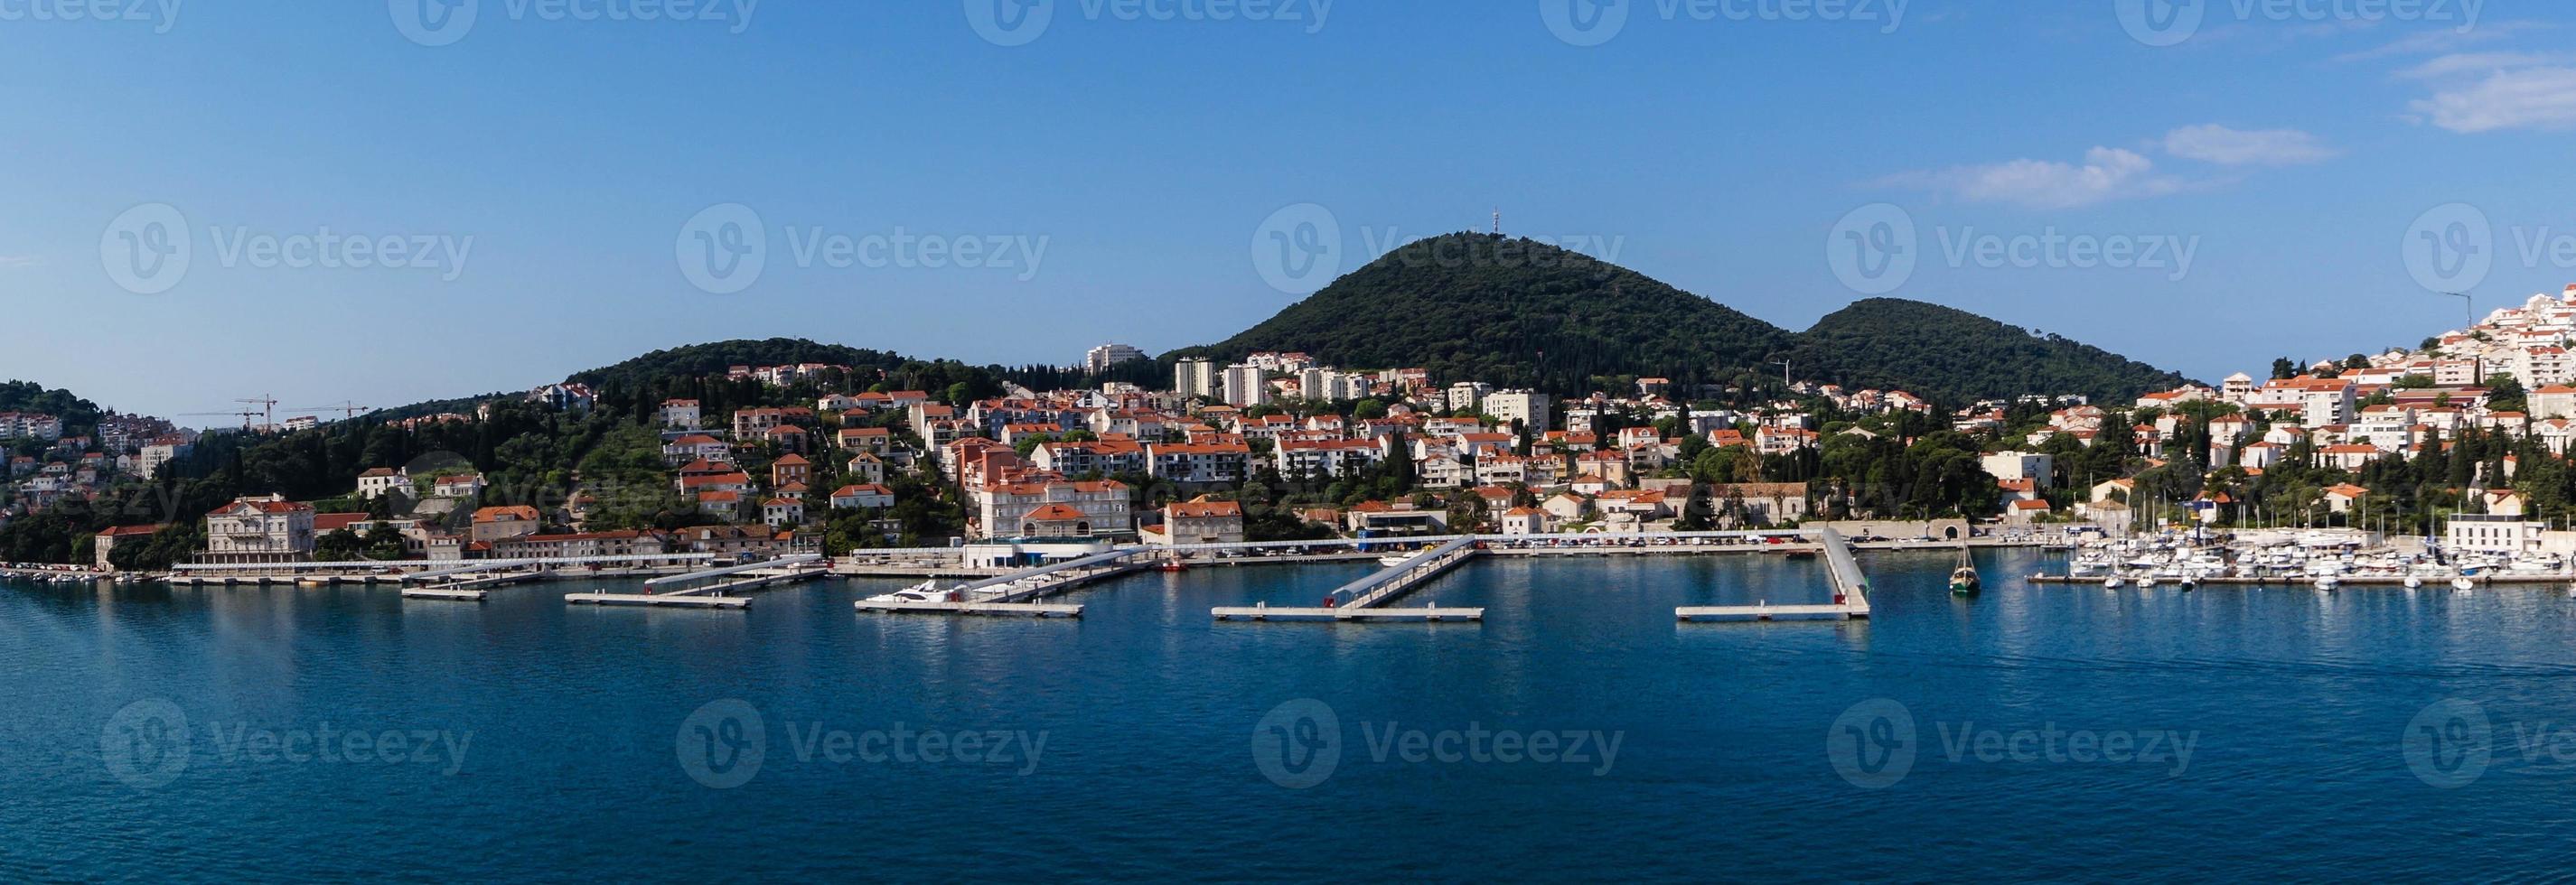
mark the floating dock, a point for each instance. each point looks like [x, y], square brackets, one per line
[1365, 600]
[987, 609]
[1016, 593]
[1850, 586]
[783, 570]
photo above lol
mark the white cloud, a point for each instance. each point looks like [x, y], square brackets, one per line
[2447, 39]
[2539, 97]
[18, 261]
[2240, 147]
[2106, 174]
[2478, 63]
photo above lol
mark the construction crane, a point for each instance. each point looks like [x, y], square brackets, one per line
[268, 409]
[245, 415]
[346, 409]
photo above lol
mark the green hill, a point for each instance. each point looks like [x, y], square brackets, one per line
[700, 360]
[1953, 355]
[1518, 313]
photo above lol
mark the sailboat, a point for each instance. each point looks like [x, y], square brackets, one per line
[1964, 580]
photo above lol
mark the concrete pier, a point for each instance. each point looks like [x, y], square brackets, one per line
[690, 591]
[988, 609]
[1366, 599]
[1017, 593]
[1850, 589]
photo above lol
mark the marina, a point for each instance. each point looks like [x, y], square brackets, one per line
[1151, 701]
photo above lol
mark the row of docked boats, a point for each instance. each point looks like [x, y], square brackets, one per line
[2151, 562]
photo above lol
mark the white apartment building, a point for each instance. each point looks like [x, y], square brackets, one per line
[681, 414]
[1326, 457]
[2019, 465]
[1197, 376]
[1468, 396]
[1525, 406]
[1099, 359]
[1245, 386]
[1199, 462]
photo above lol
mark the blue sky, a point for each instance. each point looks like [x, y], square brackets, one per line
[545, 174]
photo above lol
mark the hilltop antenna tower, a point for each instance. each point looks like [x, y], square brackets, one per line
[1498, 221]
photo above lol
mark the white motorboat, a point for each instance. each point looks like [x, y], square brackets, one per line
[2111, 583]
[2328, 582]
[926, 591]
[2464, 583]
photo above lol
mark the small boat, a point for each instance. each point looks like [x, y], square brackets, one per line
[2111, 583]
[2413, 582]
[2464, 583]
[1174, 564]
[1964, 580]
[926, 591]
[2189, 582]
[2328, 582]
[1393, 560]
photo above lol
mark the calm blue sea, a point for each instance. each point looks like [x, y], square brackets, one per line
[2031, 733]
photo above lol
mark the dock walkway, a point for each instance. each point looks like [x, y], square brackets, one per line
[692, 592]
[1850, 584]
[1366, 599]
